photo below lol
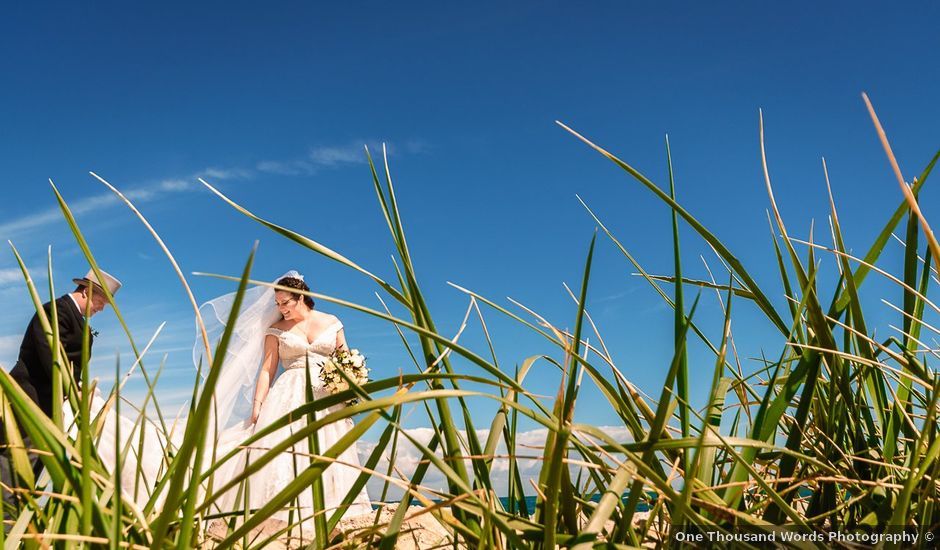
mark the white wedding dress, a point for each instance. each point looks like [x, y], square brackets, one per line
[140, 466]
[232, 398]
[287, 394]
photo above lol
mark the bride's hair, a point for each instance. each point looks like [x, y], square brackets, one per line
[299, 284]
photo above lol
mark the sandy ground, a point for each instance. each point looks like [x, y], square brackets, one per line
[420, 531]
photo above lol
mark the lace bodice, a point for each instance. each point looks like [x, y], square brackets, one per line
[293, 348]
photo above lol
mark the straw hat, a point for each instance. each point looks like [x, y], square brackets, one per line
[110, 282]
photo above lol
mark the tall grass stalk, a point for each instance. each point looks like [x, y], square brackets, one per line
[834, 430]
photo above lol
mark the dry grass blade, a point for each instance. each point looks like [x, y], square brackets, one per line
[908, 194]
[176, 268]
[837, 431]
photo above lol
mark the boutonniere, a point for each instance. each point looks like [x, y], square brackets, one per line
[93, 332]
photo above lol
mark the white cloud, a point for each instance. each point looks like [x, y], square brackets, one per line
[52, 215]
[97, 203]
[529, 448]
[9, 349]
[175, 185]
[408, 147]
[287, 168]
[221, 174]
[334, 156]
[317, 158]
[416, 147]
[10, 276]
[12, 282]
[11, 292]
[614, 297]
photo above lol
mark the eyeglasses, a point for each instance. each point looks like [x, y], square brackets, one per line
[285, 303]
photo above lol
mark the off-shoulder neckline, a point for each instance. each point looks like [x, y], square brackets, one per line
[323, 333]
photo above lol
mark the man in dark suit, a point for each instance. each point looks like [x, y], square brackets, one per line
[33, 369]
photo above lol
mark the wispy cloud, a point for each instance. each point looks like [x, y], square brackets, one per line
[9, 348]
[336, 156]
[615, 296]
[415, 147]
[52, 215]
[323, 157]
[287, 168]
[13, 283]
[9, 276]
[97, 203]
[220, 174]
[318, 158]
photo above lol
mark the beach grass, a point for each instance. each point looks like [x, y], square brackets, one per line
[838, 430]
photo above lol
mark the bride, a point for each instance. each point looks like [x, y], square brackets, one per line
[280, 327]
[272, 327]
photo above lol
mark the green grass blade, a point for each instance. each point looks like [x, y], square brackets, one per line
[762, 301]
[682, 377]
[311, 244]
[193, 440]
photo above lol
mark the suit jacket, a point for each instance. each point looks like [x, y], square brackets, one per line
[33, 369]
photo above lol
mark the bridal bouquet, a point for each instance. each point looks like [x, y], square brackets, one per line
[353, 365]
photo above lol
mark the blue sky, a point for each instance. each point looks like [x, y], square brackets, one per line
[274, 107]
